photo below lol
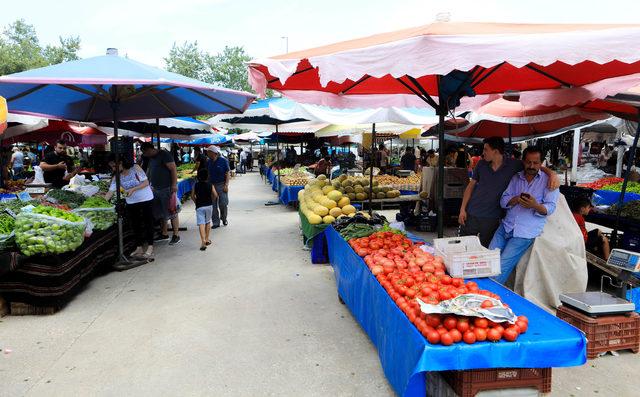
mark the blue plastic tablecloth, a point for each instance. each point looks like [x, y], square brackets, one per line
[184, 187]
[405, 354]
[289, 194]
[608, 197]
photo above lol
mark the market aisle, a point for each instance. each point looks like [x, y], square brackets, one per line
[250, 316]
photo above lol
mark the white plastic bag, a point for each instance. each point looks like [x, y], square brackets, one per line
[43, 234]
[100, 218]
[39, 176]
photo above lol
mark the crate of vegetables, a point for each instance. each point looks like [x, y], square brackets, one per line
[7, 233]
[465, 257]
[471, 382]
[48, 230]
[99, 211]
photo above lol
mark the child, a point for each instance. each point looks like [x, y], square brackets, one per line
[594, 240]
[204, 195]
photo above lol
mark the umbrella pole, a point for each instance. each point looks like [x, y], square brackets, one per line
[277, 157]
[510, 141]
[371, 163]
[630, 162]
[157, 132]
[440, 186]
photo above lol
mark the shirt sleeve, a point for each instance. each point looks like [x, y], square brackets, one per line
[476, 175]
[549, 200]
[226, 165]
[510, 193]
[49, 158]
[140, 173]
[112, 187]
[168, 158]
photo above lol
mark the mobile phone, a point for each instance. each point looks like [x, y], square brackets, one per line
[525, 195]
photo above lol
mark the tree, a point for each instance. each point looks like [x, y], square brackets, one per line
[187, 60]
[228, 69]
[20, 49]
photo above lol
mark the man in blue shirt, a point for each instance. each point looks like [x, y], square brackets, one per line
[528, 201]
[218, 168]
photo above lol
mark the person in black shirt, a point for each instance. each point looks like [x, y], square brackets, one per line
[57, 167]
[204, 195]
[200, 160]
[408, 160]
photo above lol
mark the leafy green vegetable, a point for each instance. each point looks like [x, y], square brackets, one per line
[7, 224]
[72, 199]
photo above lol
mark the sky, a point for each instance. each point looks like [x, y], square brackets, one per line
[145, 30]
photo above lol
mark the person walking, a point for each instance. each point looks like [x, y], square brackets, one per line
[233, 162]
[243, 161]
[218, 168]
[249, 162]
[17, 163]
[163, 176]
[204, 195]
[139, 199]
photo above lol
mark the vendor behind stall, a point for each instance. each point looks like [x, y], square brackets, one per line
[57, 167]
[595, 241]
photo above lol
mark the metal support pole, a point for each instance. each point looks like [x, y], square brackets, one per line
[371, 163]
[575, 157]
[440, 186]
[158, 132]
[630, 162]
[278, 154]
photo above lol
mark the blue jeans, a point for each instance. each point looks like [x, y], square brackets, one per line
[511, 250]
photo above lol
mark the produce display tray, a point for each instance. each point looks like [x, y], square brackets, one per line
[406, 356]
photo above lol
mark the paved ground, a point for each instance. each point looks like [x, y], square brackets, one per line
[251, 316]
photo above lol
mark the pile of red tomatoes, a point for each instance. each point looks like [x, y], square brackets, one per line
[407, 272]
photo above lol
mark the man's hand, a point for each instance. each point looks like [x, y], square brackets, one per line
[225, 189]
[462, 218]
[554, 182]
[62, 165]
[174, 188]
[528, 201]
[515, 200]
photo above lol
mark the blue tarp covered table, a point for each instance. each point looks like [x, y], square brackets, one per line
[609, 197]
[405, 354]
[184, 187]
[289, 194]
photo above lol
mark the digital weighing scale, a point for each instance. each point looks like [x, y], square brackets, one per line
[599, 302]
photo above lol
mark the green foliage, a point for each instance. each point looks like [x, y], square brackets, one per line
[186, 59]
[20, 49]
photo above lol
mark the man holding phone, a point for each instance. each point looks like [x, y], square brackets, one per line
[528, 201]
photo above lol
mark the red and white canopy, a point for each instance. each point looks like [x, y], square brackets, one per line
[403, 68]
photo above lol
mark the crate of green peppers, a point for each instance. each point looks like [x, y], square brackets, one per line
[7, 233]
[48, 230]
[99, 211]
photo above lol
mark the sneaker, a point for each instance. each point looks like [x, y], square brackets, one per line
[202, 248]
[225, 222]
[215, 226]
[174, 240]
[161, 238]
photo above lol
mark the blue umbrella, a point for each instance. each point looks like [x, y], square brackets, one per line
[112, 88]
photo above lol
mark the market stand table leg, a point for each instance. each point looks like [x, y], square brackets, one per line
[405, 354]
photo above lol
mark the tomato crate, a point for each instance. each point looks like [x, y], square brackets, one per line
[465, 257]
[471, 382]
[605, 333]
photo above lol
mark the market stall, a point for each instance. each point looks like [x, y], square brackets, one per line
[406, 355]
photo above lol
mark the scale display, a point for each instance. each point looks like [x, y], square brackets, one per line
[625, 260]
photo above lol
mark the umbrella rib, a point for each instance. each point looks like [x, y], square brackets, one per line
[361, 80]
[101, 90]
[545, 74]
[93, 104]
[295, 73]
[82, 91]
[483, 78]
[424, 92]
[27, 92]
[138, 93]
[164, 105]
[215, 100]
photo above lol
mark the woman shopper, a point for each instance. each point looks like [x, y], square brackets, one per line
[204, 195]
[139, 198]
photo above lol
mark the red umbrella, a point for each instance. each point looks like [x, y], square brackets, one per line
[443, 64]
[75, 134]
[512, 120]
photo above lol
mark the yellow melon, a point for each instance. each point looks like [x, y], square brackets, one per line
[348, 209]
[334, 195]
[335, 212]
[320, 210]
[315, 219]
[328, 219]
[360, 196]
[330, 203]
[344, 201]
[328, 188]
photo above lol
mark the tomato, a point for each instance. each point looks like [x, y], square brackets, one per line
[441, 330]
[486, 304]
[410, 293]
[456, 335]
[523, 318]
[469, 337]
[481, 334]
[523, 325]
[493, 335]
[426, 291]
[412, 316]
[446, 339]
[388, 269]
[439, 272]
[481, 322]
[377, 270]
[499, 328]
[510, 334]
[433, 337]
[463, 325]
[432, 320]
[450, 322]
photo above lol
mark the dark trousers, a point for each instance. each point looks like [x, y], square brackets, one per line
[484, 228]
[140, 216]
